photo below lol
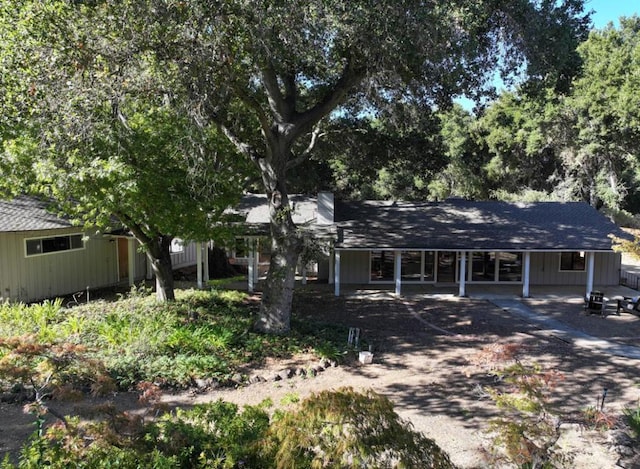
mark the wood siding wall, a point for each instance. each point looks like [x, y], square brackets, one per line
[186, 258]
[35, 277]
[545, 270]
[354, 267]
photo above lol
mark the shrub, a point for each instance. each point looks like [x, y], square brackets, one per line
[599, 419]
[526, 432]
[632, 417]
[38, 319]
[345, 428]
[332, 429]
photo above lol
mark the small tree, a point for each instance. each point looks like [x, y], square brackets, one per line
[344, 428]
[526, 432]
[94, 124]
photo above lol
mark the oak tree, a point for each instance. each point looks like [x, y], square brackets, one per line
[270, 74]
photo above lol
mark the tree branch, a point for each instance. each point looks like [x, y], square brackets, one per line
[350, 77]
[277, 102]
[138, 232]
[252, 103]
[243, 148]
[290, 96]
[307, 151]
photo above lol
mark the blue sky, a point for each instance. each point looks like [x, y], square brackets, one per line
[611, 10]
[604, 11]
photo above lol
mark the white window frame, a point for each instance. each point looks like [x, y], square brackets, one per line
[42, 238]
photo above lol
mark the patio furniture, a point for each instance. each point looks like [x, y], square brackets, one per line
[629, 304]
[596, 303]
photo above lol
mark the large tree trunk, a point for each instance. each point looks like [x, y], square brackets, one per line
[286, 245]
[158, 251]
[159, 254]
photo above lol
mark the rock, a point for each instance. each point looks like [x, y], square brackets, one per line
[324, 363]
[620, 438]
[301, 372]
[312, 372]
[256, 379]
[202, 383]
[237, 378]
[285, 374]
[333, 363]
[623, 451]
[632, 462]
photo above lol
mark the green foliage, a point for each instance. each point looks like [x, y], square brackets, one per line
[632, 418]
[622, 217]
[345, 428]
[203, 334]
[580, 144]
[222, 282]
[328, 350]
[40, 319]
[290, 398]
[213, 435]
[526, 196]
[341, 428]
[390, 156]
[95, 123]
[466, 155]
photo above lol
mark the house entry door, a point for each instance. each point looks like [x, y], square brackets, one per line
[446, 266]
[123, 259]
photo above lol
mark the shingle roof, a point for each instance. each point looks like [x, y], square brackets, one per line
[255, 209]
[28, 214]
[462, 225]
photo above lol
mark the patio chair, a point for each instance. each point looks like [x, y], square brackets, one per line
[595, 304]
[629, 304]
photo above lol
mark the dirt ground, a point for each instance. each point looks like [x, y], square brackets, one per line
[422, 352]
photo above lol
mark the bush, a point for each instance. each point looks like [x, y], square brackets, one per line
[203, 334]
[632, 417]
[526, 432]
[332, 429]
[345, 428]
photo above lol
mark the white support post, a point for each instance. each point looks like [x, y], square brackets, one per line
[332, 259]
[206, 262]
[304, 274]
[398, 272]
[526, 274]
[590, 269]
[131, 260]
[251, 267]
[462, 288]
[199, 263]
[336, 286]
